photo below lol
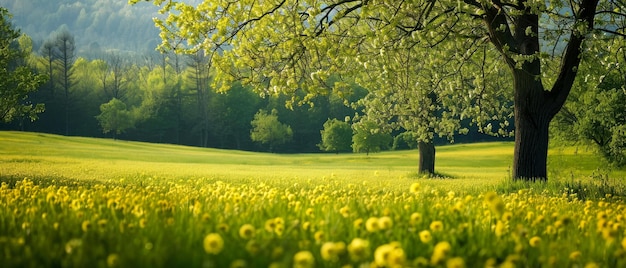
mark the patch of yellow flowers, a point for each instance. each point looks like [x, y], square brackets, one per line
[207, 222]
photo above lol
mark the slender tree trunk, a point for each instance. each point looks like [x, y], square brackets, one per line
[426, 157]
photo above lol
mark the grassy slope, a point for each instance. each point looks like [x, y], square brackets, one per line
[474, 166]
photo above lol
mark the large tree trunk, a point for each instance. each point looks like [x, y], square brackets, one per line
[426, 157]
[532, 118]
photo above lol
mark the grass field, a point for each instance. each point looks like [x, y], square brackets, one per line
[71, 201]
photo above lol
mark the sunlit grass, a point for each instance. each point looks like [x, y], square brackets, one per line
[70, 201]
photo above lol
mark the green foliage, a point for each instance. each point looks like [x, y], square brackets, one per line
[114, 117]
[17, 80]
[266, 129]
[369, 137]
[404, 140]
[595, 112]
[336, 136]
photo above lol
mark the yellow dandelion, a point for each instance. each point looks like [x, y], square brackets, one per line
[535, 241]
[303, 259]
[436, 226]
[253, 247]
[319, 236]
[358, 249]
[86, 226]
[371, 225]
[310, 212]
[213, 243]
[345, 211]
[102, 223]
[270, 225]
[278, 230]
[142, 223]
[306, 225]
[223, 227]
[385, 223]
[592, 265]
[415, 188]
[238, 264]
[425, 236]
[358, 223]
[113, 260]
[440, 253]
[415, 218]
[247, 231]
[457, 262]
[381, 255]
[331, 251]
[574, 256]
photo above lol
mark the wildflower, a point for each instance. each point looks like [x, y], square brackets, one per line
[442, 249]
[331, 251]
[345, 211]
[385, 223]
[457, 262]
[277, 252]
[371, 225]
[415, 218]
[246, 231]
[270, 225]
[86, 226]
[358, 223]
[425, 236]
[575, 255]
[238, 264]
[358, 249]
[319, 236]
[436, 226]
[213, 243]
[535, 241]
[113, 260]
[253, 247]
[389, 255]
[415, 188]
[303, 259]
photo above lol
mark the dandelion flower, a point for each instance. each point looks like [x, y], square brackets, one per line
[331, 251]
[442, 249]
[457, 262]
[425, 236]
[381, 255]
[535, 241]
[415, 218]
[86, 226]
[238, 264]
[319, 236]
[303, 259]
[371, 225]
[253, 247]
[357, 223]
[436, 226]
[213, 243]
[246, 231]
[415, 188]
[270, 225]
[385, 223]
[113, 260]
[574, 256]
[358, 249]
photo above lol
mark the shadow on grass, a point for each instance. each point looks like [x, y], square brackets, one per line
[592, 188]
[436, 175]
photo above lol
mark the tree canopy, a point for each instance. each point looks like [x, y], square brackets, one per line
[17, 80]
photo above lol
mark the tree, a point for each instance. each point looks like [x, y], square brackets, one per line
[336, 136]
[596, 110]
[368, 137]
[17, 80]
[114, 117]
[266, 129]
[65, 55]
[286, 42]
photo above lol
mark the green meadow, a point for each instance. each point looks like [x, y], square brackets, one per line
[72, 201]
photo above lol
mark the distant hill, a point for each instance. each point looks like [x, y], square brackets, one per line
[97, 25]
